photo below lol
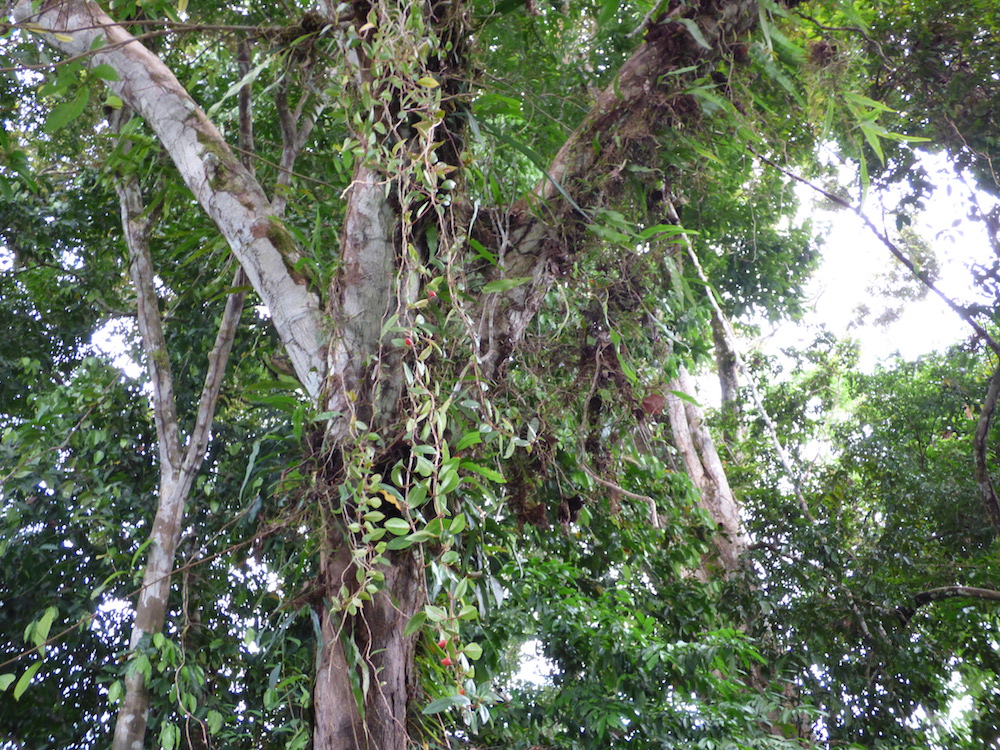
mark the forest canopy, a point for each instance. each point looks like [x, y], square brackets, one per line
[406, 435]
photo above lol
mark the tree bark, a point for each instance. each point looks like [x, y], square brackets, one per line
[178, 466]
[227, 192]
[380, 673]
[346, 372]
[703, 465]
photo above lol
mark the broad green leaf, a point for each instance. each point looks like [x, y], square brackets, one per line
[169, 734]
[468, 439]
[6, 680]
[25, 680]
[502, 285]
[398, 526]
[415, 623]
[40, 634]
[214, 720]
[443, 704]
[63, 114]
[105, 72]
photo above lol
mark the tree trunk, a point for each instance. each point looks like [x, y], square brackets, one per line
[365, 674]
[178, 466]
[703, 465]
[365, 659]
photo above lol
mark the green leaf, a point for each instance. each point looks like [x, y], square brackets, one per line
[40, 634]
[502, 285]
[469, 438]
[214, 720]
[608, 11]
[235, 88]
[443, 704]
[398, 543]
[491, 474]
[105, 72]
[415, 623]
[435, 614]
[63, 114]
[169, 734]
[472, 650]
[398, 526]
[685, 397]
[428, 82]
[6, 680]
[25, 680]
[694, 31]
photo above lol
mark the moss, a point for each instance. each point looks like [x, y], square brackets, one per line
[282, 239]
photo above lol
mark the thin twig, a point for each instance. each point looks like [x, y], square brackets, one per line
[654, 519]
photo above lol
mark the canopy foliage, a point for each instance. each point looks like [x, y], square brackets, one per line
[504, 452]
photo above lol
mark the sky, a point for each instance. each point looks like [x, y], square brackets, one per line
[853, 259]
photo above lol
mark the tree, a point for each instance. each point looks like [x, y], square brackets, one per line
[467, 228]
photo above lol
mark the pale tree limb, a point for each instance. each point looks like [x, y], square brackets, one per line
[178, 466]
[229, 194]
[296, 126]
[654, 519]
[703, 465]
[729, 335]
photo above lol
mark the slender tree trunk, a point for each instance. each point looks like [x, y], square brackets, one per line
[703, 465]
[178, 466]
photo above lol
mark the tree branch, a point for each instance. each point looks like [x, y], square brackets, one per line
[924, 279]
[641, 101]
[225, 189]
[905, 614]
[986, 489]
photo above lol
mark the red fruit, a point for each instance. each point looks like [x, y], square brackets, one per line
[442, 643]
[461, 691]
[408, 341]
[447, 661]
[432, 294]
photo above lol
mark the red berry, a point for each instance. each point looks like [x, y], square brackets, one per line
[442, 643]
[447, 661]
[408, 341]
[432, 294]
[461, 691]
